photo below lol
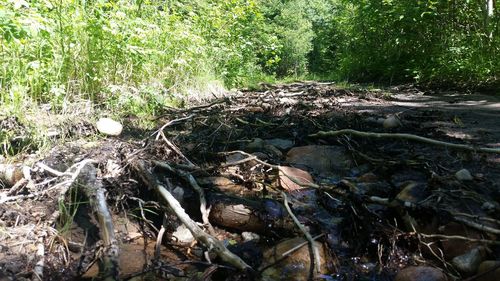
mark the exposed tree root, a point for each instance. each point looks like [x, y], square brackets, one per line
[404, 137]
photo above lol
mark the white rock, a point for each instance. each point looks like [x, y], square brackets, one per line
[463, 175]
[249, 236]
[183, 234]
[109, 127]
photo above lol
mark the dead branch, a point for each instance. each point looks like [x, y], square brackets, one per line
[174, 148]
[205, 211]
[170, 123]
[93, 189]
[315, 259]
[477, 226]
[411, 137]
[208, 240]
[251, 157]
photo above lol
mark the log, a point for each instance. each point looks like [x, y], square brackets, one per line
[264, 217]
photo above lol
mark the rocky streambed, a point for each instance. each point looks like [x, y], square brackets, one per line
[246, 187]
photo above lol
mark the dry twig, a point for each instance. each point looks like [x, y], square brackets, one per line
[315, 259]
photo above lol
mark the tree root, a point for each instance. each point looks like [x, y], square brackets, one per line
[411, 137]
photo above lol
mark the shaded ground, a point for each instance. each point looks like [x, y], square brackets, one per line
[376, 206]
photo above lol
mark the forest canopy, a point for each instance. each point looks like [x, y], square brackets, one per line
[52, 51]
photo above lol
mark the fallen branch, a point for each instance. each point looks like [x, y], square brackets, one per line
[315, 259]
[174, 148]
[93, 190]
[170, 123]
[208, 240]
[405, 137]
[205, 212]
[251, 157]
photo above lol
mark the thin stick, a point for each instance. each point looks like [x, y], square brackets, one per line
[170, 123]
[175, 148]
[457, 237]
[405, 136]
[315, 259]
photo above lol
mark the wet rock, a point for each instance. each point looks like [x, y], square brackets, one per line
[493, 269]
[272, 151]
[282, 144]
[420, 273]
[235, 157]
[463, 175]
[259, 146]
[109, 127]
[368, 178]
[256, 145]
[320, 159]
[380, 189]
[412, 192]
[452, 247]
[296, 265]
[468, 263]
[392, 122]
[287, 184]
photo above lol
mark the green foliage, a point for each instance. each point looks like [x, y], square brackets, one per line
[428, 41]
[59, 51]
[138, 56]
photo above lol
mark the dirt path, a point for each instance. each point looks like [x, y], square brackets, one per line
[376, 206]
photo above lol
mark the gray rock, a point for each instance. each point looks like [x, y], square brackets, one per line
[412, 192]
[492, 268]
[420, 273]
[256, 145]
[469, 262]
[296, 265]
[282, 144]
[463, 175]
[272, 151]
